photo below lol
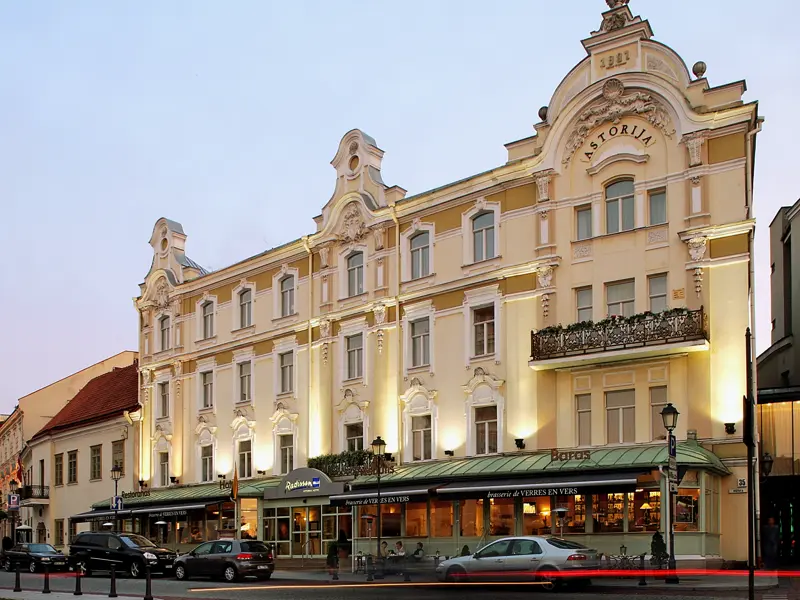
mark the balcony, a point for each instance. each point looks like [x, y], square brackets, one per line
[619, 338]
[34, 494]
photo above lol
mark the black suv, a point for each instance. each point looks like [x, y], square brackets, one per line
[129, 553]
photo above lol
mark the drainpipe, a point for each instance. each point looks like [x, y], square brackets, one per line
[398, 334]
[309, 328]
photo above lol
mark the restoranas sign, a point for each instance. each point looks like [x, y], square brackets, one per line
[129, 495]
[636, 131]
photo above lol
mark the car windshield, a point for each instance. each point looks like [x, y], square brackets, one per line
[254, 547]
[41, 548]
[566, 544]
[137, 541]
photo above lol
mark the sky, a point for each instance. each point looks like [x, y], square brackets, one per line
[224, 116]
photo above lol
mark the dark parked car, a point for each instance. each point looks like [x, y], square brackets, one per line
[229, 559]
[34, 557]
[129, 553]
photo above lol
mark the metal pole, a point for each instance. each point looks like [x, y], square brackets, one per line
[749, 434]
[116, 512]
[78, 576]
[17, 585]
[113, 591]
[381, 559]
[148, 589]
[46, 589]
[672, 566]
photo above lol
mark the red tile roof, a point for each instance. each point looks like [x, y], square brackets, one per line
[104, 397]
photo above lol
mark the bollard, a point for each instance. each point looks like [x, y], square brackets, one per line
[642, 580]
[369, 568]
[148, 589]
[78, 576]
[17, 586]
[113, 592]
[46, 589]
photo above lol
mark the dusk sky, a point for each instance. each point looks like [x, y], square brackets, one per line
[224, 116]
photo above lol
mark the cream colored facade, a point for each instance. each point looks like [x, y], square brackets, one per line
[514, 246]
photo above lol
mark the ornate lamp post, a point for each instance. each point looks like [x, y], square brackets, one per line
[669, 415]
[116, 475]
[378, 450]
[766, 464]
[13, 487]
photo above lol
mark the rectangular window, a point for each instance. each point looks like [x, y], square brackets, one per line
[287, 453]
[246, 458]
[420, 343]
[72, 466]
[658, 207]
[483, 236]
[483, 326]
[165, 329]
[246, 308]
[620, 417]
[442, 513]
[287, 372]
[619, 212]
[73, 530]
[58, 467]
[355, 355]
[207, 381]
[584, 405]
[355, 274]
[163, 402]
[208, 320]
[207, 462]
[163, 468]
[287, 296]
[354, 434]
[421, 437]
[657, 285]
[583, 302]
[59, 533]
[118, 455]
[420, 255]
[244, 382]
[658, 400]
[620, 298]
[486, 430]
[583, 218]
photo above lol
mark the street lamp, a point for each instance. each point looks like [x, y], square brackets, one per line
[766, 464]
[378, 449]
[116, 475]
[13, 484]
[669, 415]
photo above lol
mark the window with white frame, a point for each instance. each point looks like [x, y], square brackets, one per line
[286, 453]
[620, 298]
[164, 325]
[245, 452]
[421, 437]
[163, 469]
[657, 205]
[621, 417]
[208, 319]
[245, 308]
[207, 383]
[354, 436]
[354, 345]
[287, 371]
[583, 222]
[355, 274]
[583, 404]
[483, 236]
[420, 342]
[163, 400]
[420, 255]
[657, 290]
[619, 206]
[485, 429]
[658, 400]
[483, 330]
[207, 463]
[245, 369]
[287, 296]
[583, 303]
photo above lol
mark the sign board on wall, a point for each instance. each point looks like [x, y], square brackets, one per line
[302, 483]
[737, 491]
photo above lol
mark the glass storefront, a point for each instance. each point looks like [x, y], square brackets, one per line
[306, 530]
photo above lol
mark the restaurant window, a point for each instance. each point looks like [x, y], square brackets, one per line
[417, 519]
[608, 511]
[421, 434]
[442, 518]
[391, 520]
[501, 516]
[573, 517]
[644, 511]
[620, 417]
[536, 517]
[246, 458]
[658, 400]
[584, 406]
[276, 528]
[354, 432]
[366, 527]
[337, 522]
[471, 518]
[687, 508]
[118, 455]
[486, 430]
[249, 519]
[619, 206]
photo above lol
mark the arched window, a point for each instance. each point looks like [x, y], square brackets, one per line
[164, 325]
[420, 255]
[287, 296]
[208, 320]
[245, 308]
[483, 236]
[619, 206]
[355, 274]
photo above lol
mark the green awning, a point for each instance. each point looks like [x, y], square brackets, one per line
[690, 454]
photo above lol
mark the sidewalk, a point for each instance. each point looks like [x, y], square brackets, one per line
[37, 595]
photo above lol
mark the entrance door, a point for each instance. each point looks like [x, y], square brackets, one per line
[300, 531]
[780, 500]
[41, 533]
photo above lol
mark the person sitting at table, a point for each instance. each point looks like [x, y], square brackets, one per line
[419, 553]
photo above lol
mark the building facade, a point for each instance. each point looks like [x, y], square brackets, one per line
[520, 329]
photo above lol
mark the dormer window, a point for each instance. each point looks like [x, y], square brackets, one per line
[619, 206]
[164, 326]
[483, 236]
[208, 320]
[355, 274]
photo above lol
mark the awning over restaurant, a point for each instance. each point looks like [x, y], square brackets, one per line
[168, 511]
[99, 514]
[541, 486]
[390, 496]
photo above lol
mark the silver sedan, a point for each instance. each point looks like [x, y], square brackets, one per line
[549, 560]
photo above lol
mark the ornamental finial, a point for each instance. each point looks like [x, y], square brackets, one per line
[616, 3]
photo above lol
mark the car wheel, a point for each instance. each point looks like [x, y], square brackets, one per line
[455, 574]
[547, 578]
[136, 569]
[180, 572]
[230, 573]
[8, 566]
[32, 567]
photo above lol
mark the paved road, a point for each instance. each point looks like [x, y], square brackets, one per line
[285, 586]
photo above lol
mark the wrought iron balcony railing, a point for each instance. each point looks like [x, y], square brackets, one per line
[28, 492]
[619, 333]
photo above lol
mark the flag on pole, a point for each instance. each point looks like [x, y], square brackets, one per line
[235, 486]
